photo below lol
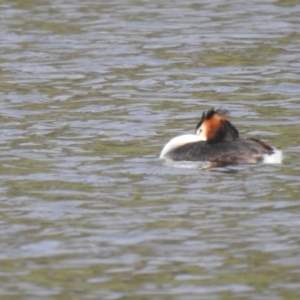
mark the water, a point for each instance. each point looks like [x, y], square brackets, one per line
[90, 93]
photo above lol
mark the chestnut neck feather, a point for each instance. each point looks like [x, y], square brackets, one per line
[218, 127]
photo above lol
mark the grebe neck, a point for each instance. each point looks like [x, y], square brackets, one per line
[179, 141]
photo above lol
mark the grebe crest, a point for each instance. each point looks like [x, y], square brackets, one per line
[214, 127]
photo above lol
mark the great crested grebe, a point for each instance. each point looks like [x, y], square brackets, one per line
[217, 141]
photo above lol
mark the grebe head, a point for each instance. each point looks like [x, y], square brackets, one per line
[214, 127]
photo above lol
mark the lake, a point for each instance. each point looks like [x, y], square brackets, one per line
[90, 92]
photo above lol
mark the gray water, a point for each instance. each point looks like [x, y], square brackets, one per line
[90, 91]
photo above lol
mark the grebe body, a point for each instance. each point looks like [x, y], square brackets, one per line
[217, 141]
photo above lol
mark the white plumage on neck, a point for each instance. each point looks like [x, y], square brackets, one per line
[180, 141]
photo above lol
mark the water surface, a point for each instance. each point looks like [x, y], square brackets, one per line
[89, 94]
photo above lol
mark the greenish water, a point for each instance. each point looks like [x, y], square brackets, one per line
[89, 94]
